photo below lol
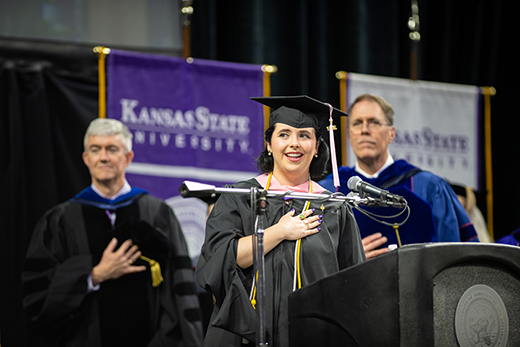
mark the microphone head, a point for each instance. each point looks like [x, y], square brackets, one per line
[353, 183]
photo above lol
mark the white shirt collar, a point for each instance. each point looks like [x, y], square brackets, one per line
[125, 189]
[389, 161]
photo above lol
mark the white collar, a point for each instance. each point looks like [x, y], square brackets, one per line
[125, 189]
[389, 161]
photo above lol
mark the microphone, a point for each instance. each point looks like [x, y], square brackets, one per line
[356, 184]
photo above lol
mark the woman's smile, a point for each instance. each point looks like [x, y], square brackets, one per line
[294, 156]
[293, 150]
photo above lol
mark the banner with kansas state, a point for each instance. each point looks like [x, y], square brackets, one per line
[190, 120]
[436, 124]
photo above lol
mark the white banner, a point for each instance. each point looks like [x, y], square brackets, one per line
[436, 124]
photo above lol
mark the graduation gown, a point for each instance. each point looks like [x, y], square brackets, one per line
[68, 242]
[233, 322]
[436, 213]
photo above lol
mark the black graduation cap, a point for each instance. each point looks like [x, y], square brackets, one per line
[300, 111]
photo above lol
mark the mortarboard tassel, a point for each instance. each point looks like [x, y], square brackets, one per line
[155, 269]
[333, 150]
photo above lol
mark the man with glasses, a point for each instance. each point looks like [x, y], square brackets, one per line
[436, 213]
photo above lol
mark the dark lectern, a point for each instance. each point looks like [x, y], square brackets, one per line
[439, 294]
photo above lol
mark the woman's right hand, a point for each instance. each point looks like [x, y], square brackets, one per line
[291, 227]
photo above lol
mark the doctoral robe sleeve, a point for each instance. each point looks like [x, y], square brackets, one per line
[54, 281]
[452, 223]
[511, 239]
[179, 321]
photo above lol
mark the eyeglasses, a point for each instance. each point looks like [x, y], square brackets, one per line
[372, 124]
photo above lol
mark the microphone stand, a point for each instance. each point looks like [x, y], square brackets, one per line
[259, 205]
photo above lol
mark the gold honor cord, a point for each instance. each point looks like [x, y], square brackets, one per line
[396, 228]
[253, 299]
[299, 243]
[297, 251]
[102, 53]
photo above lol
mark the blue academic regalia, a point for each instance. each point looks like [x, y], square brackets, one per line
[511, 239]
[436, 213]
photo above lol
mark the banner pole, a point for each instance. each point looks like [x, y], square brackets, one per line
[268, 70]
[342, 76]
[415, 38]
[102, 53]
[488, 92]
[186, 13]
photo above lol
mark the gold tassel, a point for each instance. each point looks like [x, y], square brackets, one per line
[155, 269]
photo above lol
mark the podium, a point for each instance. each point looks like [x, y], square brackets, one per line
[437, 294]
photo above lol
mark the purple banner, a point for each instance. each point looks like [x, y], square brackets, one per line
[190, 120]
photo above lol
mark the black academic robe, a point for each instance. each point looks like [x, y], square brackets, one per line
[233, 322]
[68, 242]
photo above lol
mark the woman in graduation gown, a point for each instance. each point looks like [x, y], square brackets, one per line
[323, 234]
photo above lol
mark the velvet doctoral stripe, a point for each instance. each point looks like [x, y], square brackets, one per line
[124, 304]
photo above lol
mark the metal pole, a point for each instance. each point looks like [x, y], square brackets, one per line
[259, 264]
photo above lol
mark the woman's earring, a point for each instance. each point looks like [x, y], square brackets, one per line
[269, 153]
[316, 155]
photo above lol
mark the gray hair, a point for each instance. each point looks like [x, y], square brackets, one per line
[109, 127]
[388, 111]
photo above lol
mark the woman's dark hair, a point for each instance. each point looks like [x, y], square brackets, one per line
[265, 162]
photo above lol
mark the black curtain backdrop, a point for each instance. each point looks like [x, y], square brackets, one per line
[48, 94]
[465, 42]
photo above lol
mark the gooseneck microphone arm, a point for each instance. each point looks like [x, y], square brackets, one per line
[198, 190]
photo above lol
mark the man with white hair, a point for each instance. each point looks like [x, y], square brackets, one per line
[110, 267]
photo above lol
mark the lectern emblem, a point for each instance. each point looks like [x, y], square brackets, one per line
[481, 318]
